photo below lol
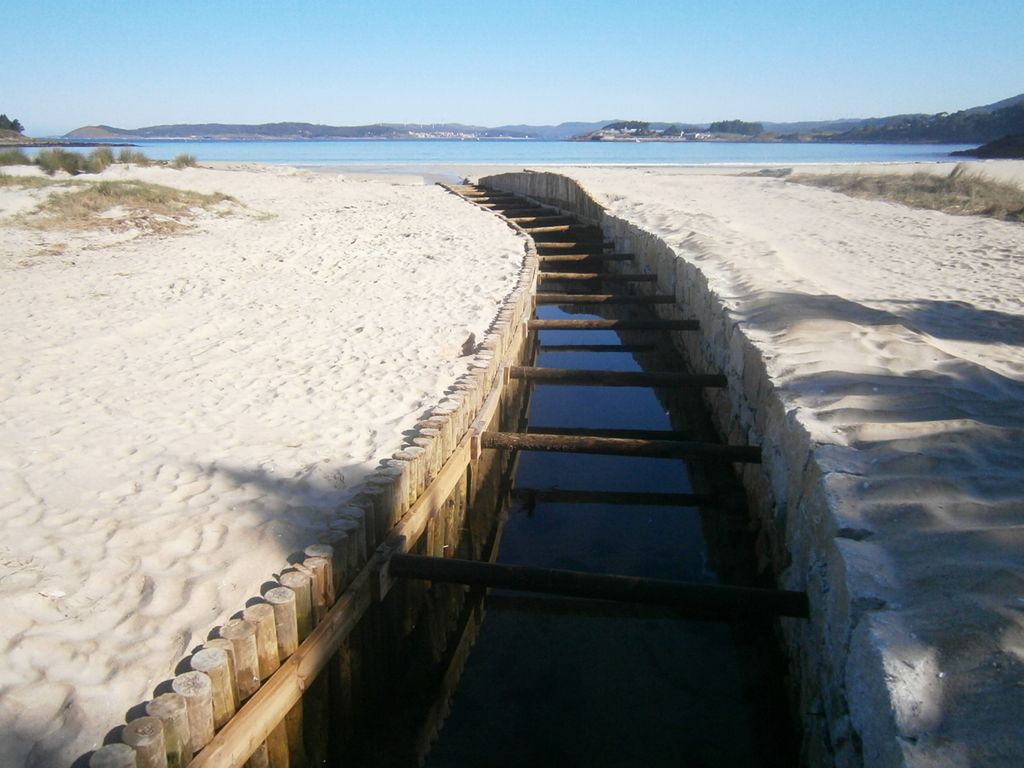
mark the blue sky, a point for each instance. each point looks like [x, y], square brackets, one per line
[129, 64]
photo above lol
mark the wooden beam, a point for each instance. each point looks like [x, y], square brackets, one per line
[616, 446]
[703, 600]
[597, 378]
[505, 208]
[586, 246]
[611, 277]
[613, 325]
[639, 434]
[630, 348]
[601, 298]
[626, 498]
[550, 219]
[553, 229]
[576, 257]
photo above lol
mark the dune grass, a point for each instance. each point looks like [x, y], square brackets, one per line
[14, 157]
[960, 193]
[53, 160]
[184, 160]
[99, 159]
[133, 157]
[121, 205]
[74, 163]
[28, 182]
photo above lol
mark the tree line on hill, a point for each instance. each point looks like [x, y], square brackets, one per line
[964, 127]
[6, 124]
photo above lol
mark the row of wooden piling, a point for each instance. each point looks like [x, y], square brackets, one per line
[229, 669]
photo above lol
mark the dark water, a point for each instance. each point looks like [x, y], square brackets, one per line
[549, 688]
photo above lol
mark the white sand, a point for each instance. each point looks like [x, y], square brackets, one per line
[179, 414]
[895, 338]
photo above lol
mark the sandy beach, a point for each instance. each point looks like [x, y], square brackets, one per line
[182, 412]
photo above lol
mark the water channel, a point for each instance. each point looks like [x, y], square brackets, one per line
[552, 681]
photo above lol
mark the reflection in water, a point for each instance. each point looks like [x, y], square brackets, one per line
[552, 681]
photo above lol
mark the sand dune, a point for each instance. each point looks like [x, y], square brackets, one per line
[181, 413]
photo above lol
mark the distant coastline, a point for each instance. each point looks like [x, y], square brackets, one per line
[42, 143]
[977, 125]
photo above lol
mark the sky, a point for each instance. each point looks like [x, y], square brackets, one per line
[69, 63]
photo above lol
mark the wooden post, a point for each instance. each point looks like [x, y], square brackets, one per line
[414, 456]
[430, 441]
[398, 473]
[242, 635]
[261, 616]
[282, 600]
[371, 499]
[113, 756]
[196, 689]
[319, 569]
[316, 699]
[215, 664]
[342, 548]
[357, 517]
[278, 752]
[301, 584]
[341, 725]
[324, 552]
[294, 731]
[260, 758]
[146, 736]
[173, 713]
[229, 649]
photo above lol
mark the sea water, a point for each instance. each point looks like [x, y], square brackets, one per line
[434, 152]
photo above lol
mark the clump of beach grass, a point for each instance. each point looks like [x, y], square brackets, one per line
[14, 157]
[121, 205]
[99, 159]
[960, 193]
[53, 160]
[133, 157]
[184, 160]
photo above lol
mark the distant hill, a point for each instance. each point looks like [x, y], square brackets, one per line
[236, 132]
[969, 126]
[812, 126]
[314, 132]
[989, 108]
